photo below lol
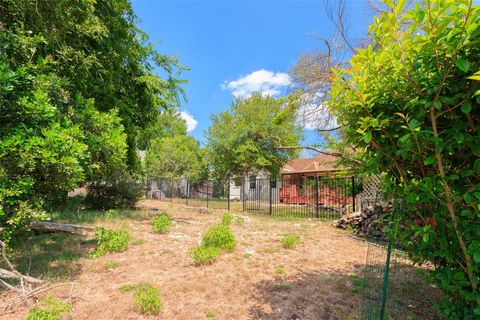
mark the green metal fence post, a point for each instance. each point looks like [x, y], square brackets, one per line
[270, 196]
[208, 183]
[385, 282]
[353, 193]
[188, 191]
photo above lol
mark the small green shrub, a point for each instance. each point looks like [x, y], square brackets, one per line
[148, 299]
[290, 241]
[51, 309]
[204, 255]
[162, 223]
[118, 191]
[210, 314]
[227, 219]
[110, 241]
[219, 236]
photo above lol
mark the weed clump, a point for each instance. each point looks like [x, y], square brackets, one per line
[162, 223]
[227, 219]
[111, 265]
[110, 241]
[147, 297]
[290, 241]
[219, 236]
[51, 309]
[204, 255]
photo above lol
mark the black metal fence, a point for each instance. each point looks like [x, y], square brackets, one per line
[308, 197]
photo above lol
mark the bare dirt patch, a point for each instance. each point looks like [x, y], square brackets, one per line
[259, 280]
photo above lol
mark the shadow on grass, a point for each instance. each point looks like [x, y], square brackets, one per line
[51, 256]
[337, 295]
[308, 296]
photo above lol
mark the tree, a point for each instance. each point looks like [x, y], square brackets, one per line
[175, 157]
[245, 137]
[411, 101]
[77, 85]
[167, 124]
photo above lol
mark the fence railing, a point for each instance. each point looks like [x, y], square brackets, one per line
[309, 197]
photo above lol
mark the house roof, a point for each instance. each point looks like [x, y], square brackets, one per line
[320, 163]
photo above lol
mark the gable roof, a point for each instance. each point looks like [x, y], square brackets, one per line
[319, 163]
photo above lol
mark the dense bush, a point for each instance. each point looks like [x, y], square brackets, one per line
[204, 255]
[162, 223]
[118, 191]
[110, 241]
[219, 236]
[411, 102]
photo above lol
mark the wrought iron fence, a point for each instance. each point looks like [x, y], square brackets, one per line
[308, 197]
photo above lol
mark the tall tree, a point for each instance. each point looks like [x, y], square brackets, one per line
[246, 137]
[175, 157]
[411, 100]
[168, 123]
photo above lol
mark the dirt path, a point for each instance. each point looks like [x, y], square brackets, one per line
[259, 280]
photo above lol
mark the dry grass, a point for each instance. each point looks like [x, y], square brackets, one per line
[245, 284]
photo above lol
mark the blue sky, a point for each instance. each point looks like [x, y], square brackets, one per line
[235, 47]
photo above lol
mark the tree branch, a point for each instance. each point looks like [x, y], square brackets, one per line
[329, 153]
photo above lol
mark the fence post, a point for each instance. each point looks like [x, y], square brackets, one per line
[243, 193]
[228, 195]
[316, 197]
[385, 281]
[188, 191]
[207, 190]
[270, 195]
[353, 193]
[171, 191]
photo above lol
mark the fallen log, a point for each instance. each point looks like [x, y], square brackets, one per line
[61, 227]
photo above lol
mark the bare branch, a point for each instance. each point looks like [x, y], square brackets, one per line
[329, 153]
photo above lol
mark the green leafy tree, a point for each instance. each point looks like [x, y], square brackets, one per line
[167, 124]
[411, 101]
[246, 137]
[175, 157]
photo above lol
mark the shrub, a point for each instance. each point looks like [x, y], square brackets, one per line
[204, 255]
[290, 241]
[219, 236]
[112, 213]
[52, 309]
[127, 287]
[148, 299]
[110, 241]
[210, 314]
[162, 223]
[118, 191]
[227, 219]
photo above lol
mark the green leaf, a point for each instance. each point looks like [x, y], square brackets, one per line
[437, 104]
[420, 15]
[463, 65]
[425, 237]
[367, 137]
[399, 7]
[466, 108]
[430, 160]
[476, 256]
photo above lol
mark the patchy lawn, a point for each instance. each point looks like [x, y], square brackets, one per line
[260, 279]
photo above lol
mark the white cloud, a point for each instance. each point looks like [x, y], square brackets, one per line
[263, 81]
[189, 119]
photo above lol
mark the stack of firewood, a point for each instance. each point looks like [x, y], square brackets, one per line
[368, 222]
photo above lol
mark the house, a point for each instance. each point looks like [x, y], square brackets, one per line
[319, 166]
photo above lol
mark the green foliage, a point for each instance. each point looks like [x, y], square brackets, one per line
[210, 314]
[219, 236]
[177, 156]
[280, 269]
[148, 299]
[410, 101]
[50, 309]
[118, 191]
[110, 241]
[162, 223]
[245, 137]
[227, 219]
[290, 241]
[204, 255]
[77, 85]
